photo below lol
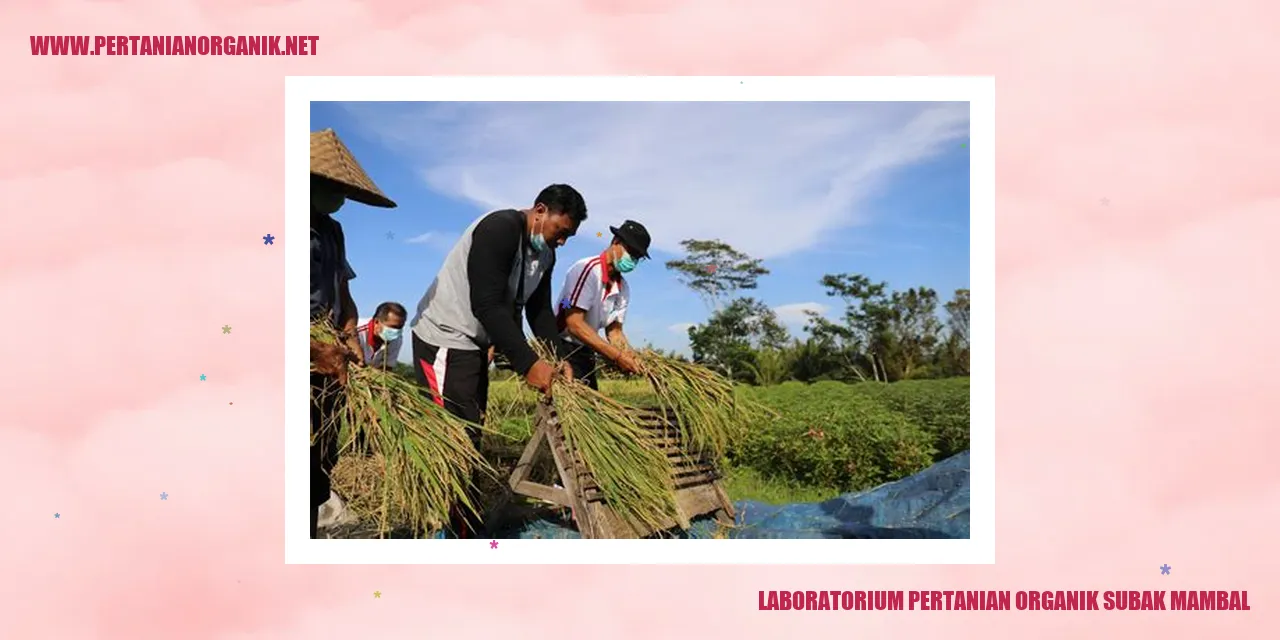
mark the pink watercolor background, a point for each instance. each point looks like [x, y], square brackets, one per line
[1137, 343]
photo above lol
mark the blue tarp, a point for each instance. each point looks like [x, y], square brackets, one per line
[931, 504]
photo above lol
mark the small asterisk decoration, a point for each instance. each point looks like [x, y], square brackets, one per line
[391, 236]
[711, 268]
[493, 544]
[202, 377]
[164, 496]
[377, 594]
[1105, 202]
[57, 515]
[598, 234]
[1164, 570]
[268, 239]
[226, 328]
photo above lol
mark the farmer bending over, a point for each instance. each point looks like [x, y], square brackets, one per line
[500, 266]
[335, 178]
[379, 336]
[595, 298]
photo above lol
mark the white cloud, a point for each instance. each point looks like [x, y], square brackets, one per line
[768, 178]
[434, 239]
[796, 314]
[681, 328]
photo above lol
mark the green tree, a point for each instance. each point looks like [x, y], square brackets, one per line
[914, 329]
[953, 354]
[884, 335]
[729, 338]
[815, 359]
[715, 271]
[864, 336]
[958, 316]
[772, 365]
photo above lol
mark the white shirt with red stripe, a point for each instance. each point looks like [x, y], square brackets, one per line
[377, 351]
[588, 286]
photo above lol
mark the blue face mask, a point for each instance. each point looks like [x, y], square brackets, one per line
[625, 264]
[539, 243]
[389, 334]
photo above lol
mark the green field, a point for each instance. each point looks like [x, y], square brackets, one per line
[829, 438]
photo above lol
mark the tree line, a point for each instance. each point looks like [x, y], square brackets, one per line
[882, 335]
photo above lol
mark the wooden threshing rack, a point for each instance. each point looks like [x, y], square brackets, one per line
[698, 490]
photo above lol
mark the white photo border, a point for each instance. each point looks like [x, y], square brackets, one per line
[979, 92]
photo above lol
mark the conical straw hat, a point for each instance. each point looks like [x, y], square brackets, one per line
[333, 160]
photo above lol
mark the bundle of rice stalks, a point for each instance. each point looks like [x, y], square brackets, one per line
[428, 461]
[710, 415]
[634, 475]
[358, 480]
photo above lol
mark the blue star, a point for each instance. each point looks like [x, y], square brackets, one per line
[1164, 570]
[164, 496]
[268, 239]
[57, 515]
[202, 377]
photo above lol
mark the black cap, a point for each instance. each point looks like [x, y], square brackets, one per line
[634, 237]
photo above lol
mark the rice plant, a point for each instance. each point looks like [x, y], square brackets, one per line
[633, 474]
[710, 414]
[428, 461]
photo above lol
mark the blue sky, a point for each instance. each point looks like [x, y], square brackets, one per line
[878, 188]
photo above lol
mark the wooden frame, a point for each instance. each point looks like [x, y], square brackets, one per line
[698, 490]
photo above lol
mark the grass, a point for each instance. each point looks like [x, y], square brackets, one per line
[745, 483]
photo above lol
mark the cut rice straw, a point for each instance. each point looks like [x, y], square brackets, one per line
[633, 475]
[428, 460]
[711, 416]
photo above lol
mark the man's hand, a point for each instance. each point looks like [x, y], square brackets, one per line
[566, 370]
[330, 360]
[354, 352]
[540, 376]
[627, 361]
[490, 355]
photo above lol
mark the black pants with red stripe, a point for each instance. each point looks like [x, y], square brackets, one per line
[583, 360]
[461, 378]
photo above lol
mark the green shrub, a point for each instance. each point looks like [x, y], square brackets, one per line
[940, 407]
[827, 436]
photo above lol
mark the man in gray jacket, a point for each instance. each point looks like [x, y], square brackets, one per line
[502, 265]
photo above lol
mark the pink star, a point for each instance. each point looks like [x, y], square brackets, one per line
[493, 544]
[711, 268]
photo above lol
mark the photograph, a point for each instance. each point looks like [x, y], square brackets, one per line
[639, 320]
